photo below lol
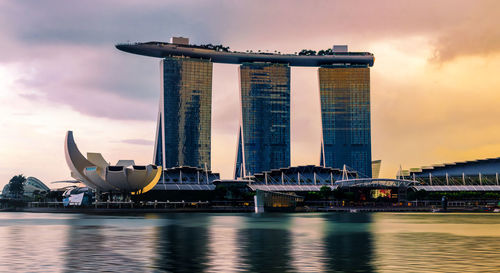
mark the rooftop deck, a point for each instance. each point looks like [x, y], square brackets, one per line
[162, 50]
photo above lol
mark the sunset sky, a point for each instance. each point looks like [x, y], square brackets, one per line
[434, 86]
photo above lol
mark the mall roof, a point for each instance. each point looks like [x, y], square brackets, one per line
[488, 166]
[303, 169]
[184, 187]
[162, 50]
[255, 187]
[457, 188]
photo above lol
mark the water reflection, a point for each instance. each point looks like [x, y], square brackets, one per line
[225, 246]
[107, 243]
[349, 242]
[183, 245]
[266, 241]
[332, 242]
[308, 248]
[437, 243]
[24, 243]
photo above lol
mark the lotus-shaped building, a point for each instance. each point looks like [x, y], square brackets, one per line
[96, 173]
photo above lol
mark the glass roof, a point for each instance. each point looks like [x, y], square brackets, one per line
[184, 187]
[289, 187]
[458, 188]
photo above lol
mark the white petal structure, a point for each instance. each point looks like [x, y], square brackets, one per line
[125, 163]
[92, 173]
[98, 160]
[96, 173]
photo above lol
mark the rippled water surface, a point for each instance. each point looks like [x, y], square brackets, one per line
[379, 242]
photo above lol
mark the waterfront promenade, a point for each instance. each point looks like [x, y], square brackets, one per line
[225, 206]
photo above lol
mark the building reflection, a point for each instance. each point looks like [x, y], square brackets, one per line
[225, 249]
[20, 249]
[349, 243]
[98, 244]
[183, 244]
[266, 241]
[437, 242]
[270, 242]
[308, 248]
[84, 245]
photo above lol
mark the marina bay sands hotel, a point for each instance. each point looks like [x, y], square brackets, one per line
[183, 134]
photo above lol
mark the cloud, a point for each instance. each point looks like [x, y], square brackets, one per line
[454, 28]
[138, 141]
[480, 36]
[66, 53]
[93, 82]
[63, 22]
[67, 48]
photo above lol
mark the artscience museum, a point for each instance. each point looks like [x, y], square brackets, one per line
[96, 173]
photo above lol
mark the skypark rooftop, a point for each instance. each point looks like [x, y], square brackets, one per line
[163, 49]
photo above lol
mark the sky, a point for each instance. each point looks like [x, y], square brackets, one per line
[434, 85]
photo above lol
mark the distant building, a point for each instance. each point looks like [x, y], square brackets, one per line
[345, 117]
[376, 168]
[340, 49]
[31, 186]
[264, 135]
[179, 40]
[6, 190]
[183, 132]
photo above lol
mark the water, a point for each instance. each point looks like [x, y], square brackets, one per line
[378, 242]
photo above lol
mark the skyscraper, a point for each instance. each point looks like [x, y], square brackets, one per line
[345, 117]
[264, 136]
[183, 132]
[184, 117]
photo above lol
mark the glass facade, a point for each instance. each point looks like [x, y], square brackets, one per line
[345, 117]
[184, 120]
[264, 137]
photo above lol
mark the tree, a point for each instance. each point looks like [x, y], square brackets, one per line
[325, 191]
[16, 185]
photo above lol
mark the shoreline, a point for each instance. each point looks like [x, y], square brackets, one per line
[242, 210]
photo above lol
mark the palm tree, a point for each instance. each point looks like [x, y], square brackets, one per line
[16, 185]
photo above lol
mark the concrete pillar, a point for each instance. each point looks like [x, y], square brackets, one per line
[258, 203]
